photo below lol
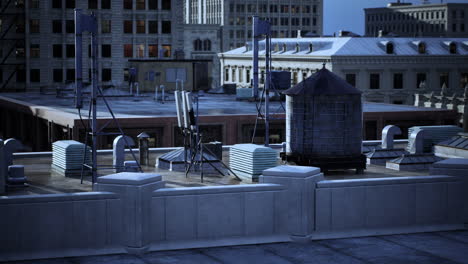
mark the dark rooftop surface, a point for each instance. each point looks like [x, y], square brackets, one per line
[44, 181]
[145, 106]
[424, 248]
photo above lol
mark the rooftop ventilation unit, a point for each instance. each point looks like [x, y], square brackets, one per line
[248, 161]
[436, 134]
[67, 157]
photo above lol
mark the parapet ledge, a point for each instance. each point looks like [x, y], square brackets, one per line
[292, 171]
[62, 197]
[385, 181]
[218, 189]
[129, 178]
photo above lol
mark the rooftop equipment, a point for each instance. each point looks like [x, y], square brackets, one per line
[324, 123]
[248, 161]
[436, 134]
[67, 157]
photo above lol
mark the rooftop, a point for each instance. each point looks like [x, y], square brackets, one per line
[353, 46]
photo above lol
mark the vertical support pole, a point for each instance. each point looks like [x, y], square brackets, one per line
[78, 60]
[94, 82]
[267, 91]
[255, 56]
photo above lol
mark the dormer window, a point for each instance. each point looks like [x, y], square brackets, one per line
[276, 48]
[297, 47]
[389, 48]
[311, 48]
[453, 48]
[422, 48]
[284, 48]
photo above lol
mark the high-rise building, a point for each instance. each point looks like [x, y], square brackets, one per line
[235, 17]
[426, 20]
[37, 40]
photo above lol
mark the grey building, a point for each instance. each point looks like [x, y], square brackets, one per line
[37, 46]
[426, 20]
[235, 17]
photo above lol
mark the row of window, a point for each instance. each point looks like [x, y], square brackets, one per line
[398, 80]
[106, 51]
[274, 21]
[34, 26]
[274, 34]
[374, 78]
[106, 4]
[398, 16]
[264, 8]
[57, 75]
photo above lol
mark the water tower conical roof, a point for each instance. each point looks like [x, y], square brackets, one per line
[322, 82]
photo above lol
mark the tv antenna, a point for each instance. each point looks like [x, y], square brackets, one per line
[88, 23]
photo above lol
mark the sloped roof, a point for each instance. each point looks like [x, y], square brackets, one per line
[323, 82]
[353, 46]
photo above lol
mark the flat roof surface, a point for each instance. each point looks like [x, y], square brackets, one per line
[146, 106]
[42, 180]
[424, 248]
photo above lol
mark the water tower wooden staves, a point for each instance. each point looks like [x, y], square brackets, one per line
[324, 123]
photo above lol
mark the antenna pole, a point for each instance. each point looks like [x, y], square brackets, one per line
[94, 81]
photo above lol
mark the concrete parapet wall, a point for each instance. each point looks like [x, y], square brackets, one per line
[347, 208]
[58, 225]
[214, 216]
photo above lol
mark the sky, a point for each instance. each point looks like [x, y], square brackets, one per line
[349, 14]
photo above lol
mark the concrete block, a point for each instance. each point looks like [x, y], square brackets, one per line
[158, 219]
[348, 208]
[180, 217]
[431, 203]
[259, 213]
[220, 215]
[323, 212]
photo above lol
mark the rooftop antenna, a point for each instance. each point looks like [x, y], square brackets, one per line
[88, 23]
[261, 28]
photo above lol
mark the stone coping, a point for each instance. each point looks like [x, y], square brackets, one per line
[62, 197]
[385, 181]
[218, 189]
[129, 178]
[452, 164]
[289, 171]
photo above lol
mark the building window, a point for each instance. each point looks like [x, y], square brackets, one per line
[57, 75]
[128, 50]
[35, 75]
[20, 52]
[70, 75]
[153, 27]
[398, 81]
[140, 5]
[33, 4]
[166, 27]
[70, 26]
[128, 26]
[57, 50]
[207, 45]
[239, 77]
[152, 4]
[454, 27]
[92, 4]
[21, 76]
[56, 3]
[141, 51]
[197, 45]
[140, 27]
[127, 4]
[247, 73]
[106, 75]
[444, 79]
[20, 26]
[105, 26]
[56, 26]
[226, 74]
[70, 51]
[422, 48]
[166, 51]
[105, 4]
[453, 48]
[106, 51]
[389, 48]
[463, 79]
[35, 51]
[34, 26]
[351, 79]
[153, 50]
[398, 102]
[70, 4]
[166, 4]
[374, 79]
[421, 80]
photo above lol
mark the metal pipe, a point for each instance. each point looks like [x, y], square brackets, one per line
[255, 56]
[94, 82]
[78, 60]
[267, 90]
